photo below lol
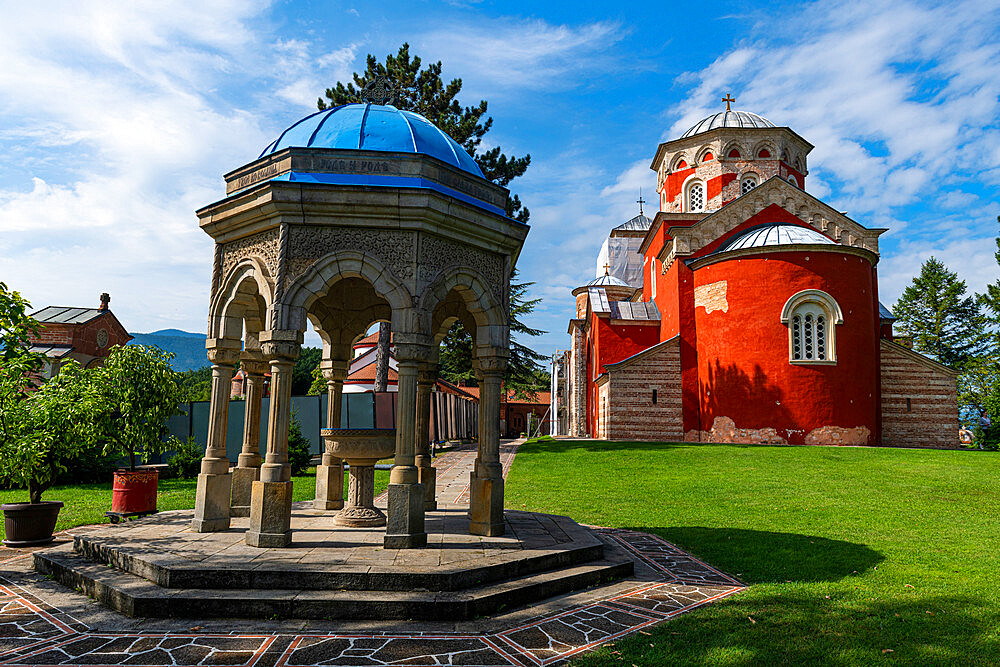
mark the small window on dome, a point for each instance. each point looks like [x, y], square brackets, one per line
[748, 184]
[734, 154]
[696, 197]
[763, 153]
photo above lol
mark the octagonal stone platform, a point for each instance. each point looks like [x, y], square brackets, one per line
[158, 567]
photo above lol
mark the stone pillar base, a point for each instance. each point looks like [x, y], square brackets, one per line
[405, 527]
[329, 487]
[270, 515]
[243, 479]
[428, 477]
[211, 503]
[486, 506]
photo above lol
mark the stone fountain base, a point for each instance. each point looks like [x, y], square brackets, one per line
[158, 567]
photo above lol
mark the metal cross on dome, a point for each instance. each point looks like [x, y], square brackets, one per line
[378, 91]
[728, 99]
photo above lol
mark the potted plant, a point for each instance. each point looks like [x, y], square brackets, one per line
[41, 431]
[139, 391]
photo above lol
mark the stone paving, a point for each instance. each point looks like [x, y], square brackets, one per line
[43, 623]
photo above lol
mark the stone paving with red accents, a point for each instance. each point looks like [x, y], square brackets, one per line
[43, 623]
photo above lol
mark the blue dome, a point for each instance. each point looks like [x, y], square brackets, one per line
[374, 127]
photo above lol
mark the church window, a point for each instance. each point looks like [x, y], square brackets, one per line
[748, 184]
[793, 180]
[682, 165]
[654, 397]
[811, 316]
[734, 154]
[708, 156]
[764, 153]
[696, 196]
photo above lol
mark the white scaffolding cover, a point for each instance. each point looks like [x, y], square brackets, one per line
[621, 254]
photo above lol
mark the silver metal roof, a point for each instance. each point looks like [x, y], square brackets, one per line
[728, 119]
[639, 223]
[884, 313]
[607, 281]
[599, 300]
[775, 234]
[66, 315]
[635, 310]
[53, 351]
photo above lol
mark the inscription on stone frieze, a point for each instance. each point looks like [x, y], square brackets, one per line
[359, 166]
[261, 174]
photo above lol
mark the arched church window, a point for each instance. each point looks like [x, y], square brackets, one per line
[735, 154]
[794, 181]
[811, 317]
[763, 153]
[748, 184]
[696, 196]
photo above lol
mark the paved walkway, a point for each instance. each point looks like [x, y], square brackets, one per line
[43, 623]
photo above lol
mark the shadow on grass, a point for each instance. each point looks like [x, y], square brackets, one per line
[804, 627]
[755, 556]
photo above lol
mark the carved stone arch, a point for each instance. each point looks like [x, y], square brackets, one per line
[325, 271]
[739, 147]
[677, 160]
[764, 144]
[704, 150]
[245, 295]
[478, 298]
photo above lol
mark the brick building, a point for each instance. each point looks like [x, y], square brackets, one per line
[84, 334]
[756, 316]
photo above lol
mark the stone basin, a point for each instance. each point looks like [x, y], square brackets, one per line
[361, 448]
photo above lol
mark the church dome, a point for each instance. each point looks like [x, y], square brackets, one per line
[639, 223]
[607, 281]
[775, 234]
[728, 119]
[374, 127]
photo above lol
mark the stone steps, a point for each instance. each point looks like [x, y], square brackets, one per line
[136, 596]
[177, 573]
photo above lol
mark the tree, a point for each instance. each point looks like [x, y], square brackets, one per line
[16, 330]
[138, 391]
[991, 298]
[423, 91]
[196, 384]
[47, 429]
[525, 375]
[942, 321]
[302, 371]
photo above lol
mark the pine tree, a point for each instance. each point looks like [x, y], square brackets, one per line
[424, 91]
[942, 321]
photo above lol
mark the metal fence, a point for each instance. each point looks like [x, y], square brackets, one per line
[452, 418]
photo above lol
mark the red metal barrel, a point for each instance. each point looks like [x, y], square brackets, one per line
[134, 491]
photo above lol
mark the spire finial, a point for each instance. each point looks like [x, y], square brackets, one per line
[640, 201]
[728, 99]
[606, 267]
[378, 91]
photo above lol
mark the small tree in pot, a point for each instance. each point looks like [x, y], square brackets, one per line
[41, 432]
[139, 392]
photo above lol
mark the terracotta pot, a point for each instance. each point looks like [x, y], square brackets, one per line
[30, 524]
[134, 491]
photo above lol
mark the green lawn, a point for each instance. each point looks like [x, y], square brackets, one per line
[853, 556]
[86, 503]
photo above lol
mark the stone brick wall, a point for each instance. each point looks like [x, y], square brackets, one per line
[931, 419]
[631, 412]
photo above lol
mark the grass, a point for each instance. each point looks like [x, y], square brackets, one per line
[86, 503]
[853, 556]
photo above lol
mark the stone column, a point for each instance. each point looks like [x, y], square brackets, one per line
[426, 473]
[211, 503]
[330, 472]
[486, 481]
[271, 496]
[247, 470]
[405, 521]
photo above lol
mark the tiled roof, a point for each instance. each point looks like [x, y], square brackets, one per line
[541, 397]
[367, 374]
[370, 340]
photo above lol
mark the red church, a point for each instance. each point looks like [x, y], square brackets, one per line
[755, 317]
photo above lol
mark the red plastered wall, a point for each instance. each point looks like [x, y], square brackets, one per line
[742, 352]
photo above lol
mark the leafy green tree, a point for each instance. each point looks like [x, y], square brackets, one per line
[991, 298]
[196, 384]
[48, 429]
[299, 454]
[942, 321]
[16, 330]
[424, 91]
[138, 391]
[302, 371]
[525, 375]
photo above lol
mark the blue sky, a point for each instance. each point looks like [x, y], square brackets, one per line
[117, 121]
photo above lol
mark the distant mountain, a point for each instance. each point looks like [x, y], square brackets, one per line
[188, 347]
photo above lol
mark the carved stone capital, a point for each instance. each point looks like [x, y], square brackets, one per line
[334, 369]
[490, 365]
[415, 352]
[279, 350]
[428, 374]
[223, 356]
[254, 366]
